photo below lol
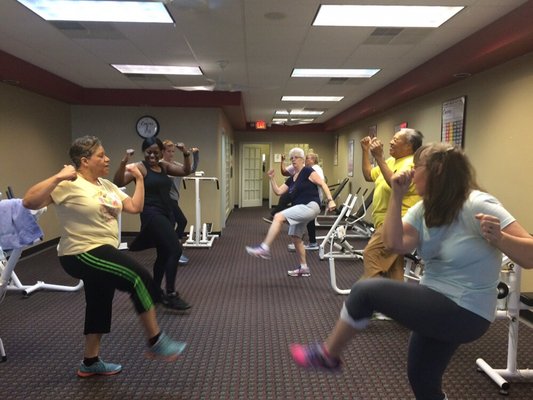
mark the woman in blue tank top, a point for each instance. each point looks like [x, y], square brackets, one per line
[302, 188]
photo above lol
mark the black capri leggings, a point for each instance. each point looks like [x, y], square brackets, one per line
[103, 270]
[437, 323]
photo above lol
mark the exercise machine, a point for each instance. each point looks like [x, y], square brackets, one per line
[199, 235]
[10, 256]
[334, 246]
[413, 268]
[359, 227]
[509, 305]
[325, 219]
[348, 226]
[9, 279]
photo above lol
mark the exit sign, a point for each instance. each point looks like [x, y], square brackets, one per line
[260, 125]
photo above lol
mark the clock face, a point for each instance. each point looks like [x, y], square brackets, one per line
[147, 126]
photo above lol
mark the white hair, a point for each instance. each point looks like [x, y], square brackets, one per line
[296, 152]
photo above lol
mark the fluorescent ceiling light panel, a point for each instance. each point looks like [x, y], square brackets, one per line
[157, 69]
[384, 16]
[100, 11]
[299, 112]
[312, 98]
[333, 73]
[307, 112]
[195, 88]
[302, 120]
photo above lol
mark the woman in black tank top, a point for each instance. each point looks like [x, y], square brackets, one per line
[157, 219]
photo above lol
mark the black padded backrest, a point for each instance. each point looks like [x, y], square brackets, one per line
[339, 188]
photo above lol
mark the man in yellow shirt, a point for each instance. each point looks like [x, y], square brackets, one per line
[377, 259]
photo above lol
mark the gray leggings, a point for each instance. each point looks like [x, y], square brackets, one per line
[438, 326]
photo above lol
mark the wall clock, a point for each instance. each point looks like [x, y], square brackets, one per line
[147, 126]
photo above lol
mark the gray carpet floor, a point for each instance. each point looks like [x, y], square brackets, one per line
[245, 313]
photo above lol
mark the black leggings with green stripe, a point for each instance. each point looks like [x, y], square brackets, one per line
[103, 270]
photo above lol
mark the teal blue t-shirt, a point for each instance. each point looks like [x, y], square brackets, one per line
[459, 262]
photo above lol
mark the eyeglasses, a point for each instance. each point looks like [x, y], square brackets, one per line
[295, 157]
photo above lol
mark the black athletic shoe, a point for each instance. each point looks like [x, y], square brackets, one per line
[174, 302]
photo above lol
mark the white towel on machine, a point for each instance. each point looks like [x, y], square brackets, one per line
[18, 226]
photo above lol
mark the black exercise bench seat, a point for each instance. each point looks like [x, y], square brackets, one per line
[527, 298]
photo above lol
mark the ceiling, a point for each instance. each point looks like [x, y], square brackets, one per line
[248, 49]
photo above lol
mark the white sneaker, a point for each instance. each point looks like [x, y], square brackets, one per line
[258, 251]
[299, 272]
[311, 246]
[380, 317]
[291, 247]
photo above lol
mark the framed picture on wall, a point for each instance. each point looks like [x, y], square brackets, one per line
[350, 157]
[453, 121]
[401, 125]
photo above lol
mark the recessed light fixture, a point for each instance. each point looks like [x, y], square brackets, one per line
[302, 120]
[312, 98]
[99, 11]
[333, 73]
[195, 88]
[157, 69]
[299, 112]
[307, 112]
[384, 16]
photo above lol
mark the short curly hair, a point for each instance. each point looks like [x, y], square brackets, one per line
[84, 146]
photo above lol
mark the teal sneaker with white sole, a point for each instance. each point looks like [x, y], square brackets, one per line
[98, 368]
[166, 349]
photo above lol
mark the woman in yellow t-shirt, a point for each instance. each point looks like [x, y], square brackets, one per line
[88, 207]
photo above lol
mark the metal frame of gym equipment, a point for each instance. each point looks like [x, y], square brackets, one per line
[509, 292]
[362, 229]
[352, 222]
[199, 237]
[324, 220]
[337, 234]
[13, 283]
[10, 281]
[413, 268]
[335, 238]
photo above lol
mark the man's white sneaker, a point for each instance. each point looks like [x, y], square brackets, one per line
[299, 272]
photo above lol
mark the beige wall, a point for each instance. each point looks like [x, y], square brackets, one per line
[498, 136]
[35, 133]
[196, 127]
[34, 142]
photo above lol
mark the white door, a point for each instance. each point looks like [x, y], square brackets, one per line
[251, 176]
[226, 178]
